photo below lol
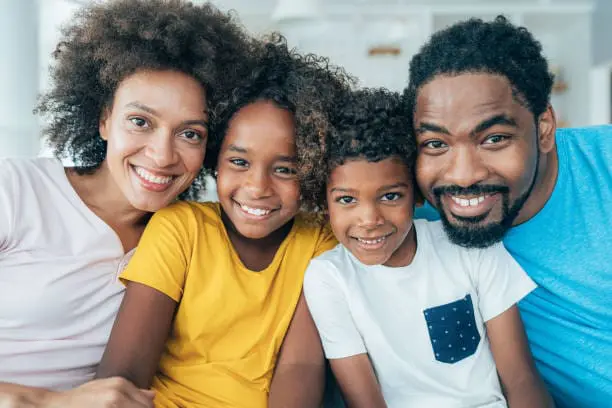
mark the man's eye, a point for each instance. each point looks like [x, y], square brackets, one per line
[434, 144]
[494, 139]
[391, 197]
[345, 200]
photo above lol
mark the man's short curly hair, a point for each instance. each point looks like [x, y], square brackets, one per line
[107, 42]
[369, 124]
[306, 85]
[496, 47]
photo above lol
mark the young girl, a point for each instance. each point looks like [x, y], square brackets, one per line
[214, 290]
[408, 319]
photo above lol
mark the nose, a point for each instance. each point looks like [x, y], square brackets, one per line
[466, 168]
[370, 216]
[161, 149]
[258, 183]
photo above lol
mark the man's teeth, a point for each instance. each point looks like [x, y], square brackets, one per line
[472, 202]
[255, 211]
[371, 241]
[152, 178]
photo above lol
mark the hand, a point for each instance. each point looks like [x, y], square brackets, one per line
[115, 392]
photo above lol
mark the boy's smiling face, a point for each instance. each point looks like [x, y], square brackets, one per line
[371, 205]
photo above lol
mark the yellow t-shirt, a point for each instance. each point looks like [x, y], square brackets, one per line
[230, 321]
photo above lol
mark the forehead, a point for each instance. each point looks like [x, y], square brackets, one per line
[262, 127]
[361, 174]
[464, 100]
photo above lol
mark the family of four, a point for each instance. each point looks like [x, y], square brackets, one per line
[446, 247]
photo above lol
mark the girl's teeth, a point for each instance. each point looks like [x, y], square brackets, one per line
[151, 177]
[371, 241]
[255, 211]
[472, 202]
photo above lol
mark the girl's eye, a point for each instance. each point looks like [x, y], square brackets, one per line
[391, 197]
[192, 136]
[285, 171]
[138, 122]
[434, 144]
[345, 200]
[239, 162]
[494, 139]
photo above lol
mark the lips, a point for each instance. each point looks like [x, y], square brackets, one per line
[151, 181]
[254, 210]
[371, 243]
[470, 205]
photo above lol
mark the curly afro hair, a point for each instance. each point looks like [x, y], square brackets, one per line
[107, 42]
[308, 86]
[370, 124]
[496, 47]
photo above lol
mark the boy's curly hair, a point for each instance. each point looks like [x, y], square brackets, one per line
[106, 42]
[370, 124]
[306, 85]
[496, 47]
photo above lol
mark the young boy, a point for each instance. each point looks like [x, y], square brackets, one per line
[408, 319]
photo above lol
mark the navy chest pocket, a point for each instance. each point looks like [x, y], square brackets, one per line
[452, 330]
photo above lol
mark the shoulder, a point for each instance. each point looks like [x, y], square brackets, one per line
[593, 139]
[336, 262]
[188, 211]
[29, 167]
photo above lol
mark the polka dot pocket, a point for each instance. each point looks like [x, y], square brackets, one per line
[452, 330]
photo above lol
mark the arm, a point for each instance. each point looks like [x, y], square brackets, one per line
[357, 381]
[113, 392]
[300, 371]
[520, 380]
[138, 336]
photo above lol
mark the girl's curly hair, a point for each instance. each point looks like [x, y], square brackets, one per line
[369, 124]
[106, 42]
[306, 85]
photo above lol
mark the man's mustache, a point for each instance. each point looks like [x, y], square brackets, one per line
[475, 189]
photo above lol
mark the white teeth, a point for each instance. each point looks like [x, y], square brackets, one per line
[472, 202]
[255, 211]
[371, 241]
[152, 177]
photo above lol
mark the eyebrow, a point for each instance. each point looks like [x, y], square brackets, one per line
[342, 190]
[394, 186]
[492, 121]
[153, 112]
[430, 127]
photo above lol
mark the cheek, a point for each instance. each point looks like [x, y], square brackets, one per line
[426, 169]
[192, 159]
[290, 193]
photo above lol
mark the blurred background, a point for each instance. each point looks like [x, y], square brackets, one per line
[373, 39]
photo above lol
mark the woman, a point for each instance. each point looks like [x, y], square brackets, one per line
[136, 83]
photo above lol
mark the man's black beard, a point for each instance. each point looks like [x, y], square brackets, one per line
[470, 234]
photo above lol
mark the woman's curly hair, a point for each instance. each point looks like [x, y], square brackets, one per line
[306, 85]
[496, 47]
[106, 42]
[370, 124]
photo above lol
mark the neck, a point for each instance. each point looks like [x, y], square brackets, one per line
[544, 185]
[104, 197]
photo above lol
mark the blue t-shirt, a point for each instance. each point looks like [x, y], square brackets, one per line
[567, 250]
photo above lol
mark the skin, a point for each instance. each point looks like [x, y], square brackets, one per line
[256, 168]
[472, 131]
[157, 121]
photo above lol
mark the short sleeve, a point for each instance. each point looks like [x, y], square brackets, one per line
[501, 282]
[330, 310]
[7, 202]
[162, 257]
[327, 240]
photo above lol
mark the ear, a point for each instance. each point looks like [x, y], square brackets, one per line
[103, 125]
[547, 127]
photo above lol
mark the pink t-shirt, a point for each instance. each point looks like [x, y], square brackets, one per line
[59, 293]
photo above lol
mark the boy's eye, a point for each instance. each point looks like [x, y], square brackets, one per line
[138, 121]
[239, 162]
[345, 200]
[391, 197]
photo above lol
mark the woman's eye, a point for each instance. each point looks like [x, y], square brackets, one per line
[391, 197]
[434, 144]
[239, 162]
[138, 122]
[345, 200]
[192, 136]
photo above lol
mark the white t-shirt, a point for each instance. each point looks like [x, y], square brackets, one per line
[422, 325]
[59, 293]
